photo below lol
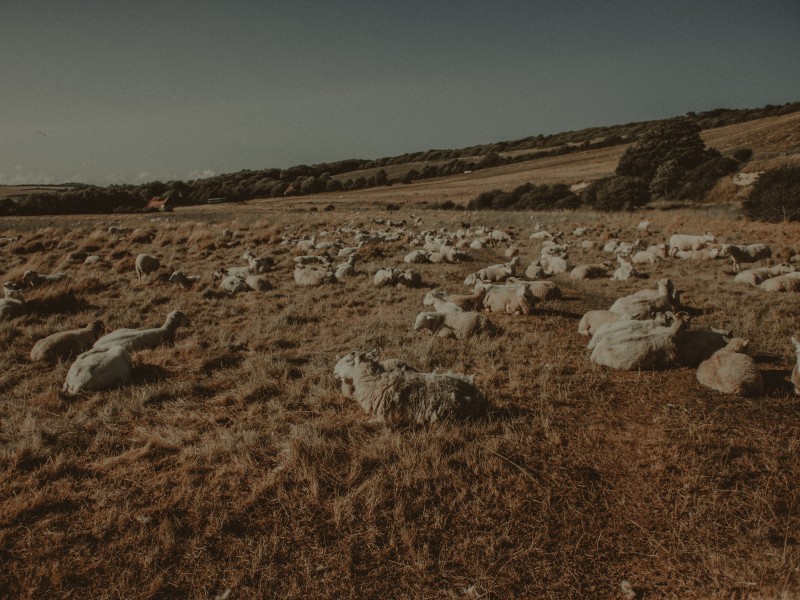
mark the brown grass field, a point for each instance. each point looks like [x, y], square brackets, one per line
[233, 467]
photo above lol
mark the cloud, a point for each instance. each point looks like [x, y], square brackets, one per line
[25, 178]
[200, 174]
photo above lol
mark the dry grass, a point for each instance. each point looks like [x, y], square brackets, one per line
[234, 463]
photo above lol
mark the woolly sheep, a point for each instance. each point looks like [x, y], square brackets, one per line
[633, 349]
[589, 244]
[705, 254]
[592, 271]
[402, 397]
[697, 345]
[459, 325]
[731, 371]
[554, 265]
[644, 257]
[257, 283]
[625, 270]
[134, 340]
[34, 279]
[540, 290]
[345, 269]
[513, 299]
[682, 241]
[344, 366]
[472, 301]
[66, 344]
[146, 264]
[233, 284]
[790, 282]
[310, 276]
[98, 369]
[258, 265]
[640, 306]
[795, 378]
[184, 280]
[494, 273]
[594, 319]
[745, 254]
[643, 326]
[756, 276]
[13, 305]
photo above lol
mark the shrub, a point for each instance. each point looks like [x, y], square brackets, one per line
[699, 181]
[743, 155]
[617, 193]
[775, 196]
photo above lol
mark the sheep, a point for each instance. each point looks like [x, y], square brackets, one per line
[682, 241]
[384, 277]
[494, 273]
[615, 328]
[697, 345]
[795, 377]
[184, 280]
[756, 276]
[541, 235]
[540, 290]
[321, 259]
[551, 249]
[631, 349]
[790, 282]
[142, 236]
[705, 254]
[554, 265]
[594, 319]
[459, 325]
[731, 371]
[66, 344]
[92, 260]
[534, 271]
[644, 257]
[396, 396]
[448, 254]
[435, 298]
[134, 340]
[513, 299]
[409, 278]
[418, 257]
[745, 254]
[611, 245]
[256, 265]
[345, 269]
[33, 279]
[625, 270]
[115, 230]
[645, 226]
[233, 284]
[589, 244]
[640, 306]
[344, 366]
[12, 305]
[146, 264]
[592, 271]
[98, 369]
[257, 283]
[472, 301]
[310, 276]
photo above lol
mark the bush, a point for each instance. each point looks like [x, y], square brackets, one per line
[617, 193]
[775, 197]
[743, 155]
[699, 181]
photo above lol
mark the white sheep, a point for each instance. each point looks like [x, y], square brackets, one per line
[534, 271]
[184, 280]
[310, 276]
[540, 290]
[257, 283]
[745, 254]
[704, 254]
[731, 371]
[795, 377]
[66, 344]
[494, 273]
[98, 369]
[514, 299]
[645, 257]
[633, 349]
[554, 265]
[641, 306]
[459, 325]
[625, 270]
[402, 397]
[592, 271]
[134, 340]
[756, 276]
[392, 276]
[419, 257]
[594, 319]
[146, 264]
[346, 269]
[12, 305]
[790, 282]
[472, 301]
[34, 279]
[344, 366]
[682, 241]
[256, 265]
[233, 284]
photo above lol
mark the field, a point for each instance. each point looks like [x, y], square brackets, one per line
[232, 466]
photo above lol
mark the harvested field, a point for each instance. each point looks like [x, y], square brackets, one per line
[233, 466]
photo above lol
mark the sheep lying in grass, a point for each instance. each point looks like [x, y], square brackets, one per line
[731, 371]
[539, 290]
[33, 279]
[459, 325]
[310, 276]
[233, 284]
[344, 366]
[686, 242]
[134, 340]
[795, 378]
[256, 265]
[494, 273]
[638, 346]
[782, 283]
[66, 344]
[257, 283]
[593, 271]
[594, 319]
[513, 299]
[705, 254]
[419, 257]
[398, 396]
[697, 345]
[392, 276]
[554, 265]
[146, 264]
[534, 271]
[745, 254]
[756, 276]
[642, 305]
[184, 280]
[440, 305]
[462, 301]
[625, 270]
[98, 369]
[346, 269]
[13, 304]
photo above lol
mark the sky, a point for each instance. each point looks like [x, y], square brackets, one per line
[127, 92]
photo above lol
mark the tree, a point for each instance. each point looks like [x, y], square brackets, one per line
[775, 197]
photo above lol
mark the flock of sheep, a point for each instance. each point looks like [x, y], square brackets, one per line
[645, 330]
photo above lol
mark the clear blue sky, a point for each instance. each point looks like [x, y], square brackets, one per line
[109, 91]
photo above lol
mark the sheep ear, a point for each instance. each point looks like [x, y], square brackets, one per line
[745, 343]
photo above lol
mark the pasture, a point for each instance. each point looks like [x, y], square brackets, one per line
[233, 466]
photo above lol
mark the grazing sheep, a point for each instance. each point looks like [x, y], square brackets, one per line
[310, 276]
[13, 304]
[33, 279]
[697, 345]
[184, 280]
[795, 378]
[625, 270]
[513, 299]
[459, 325]
[397, 396]
[790, 282]
[641, 306]
[593, 271]
[756, 276]
[98, 369]
[146, 264]
[472, 301]
[66, 344]
[682, 241]
[731, 371]
[594, 319]
[632, 349]
[745, 254]
[134, 340]
[705, 254]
